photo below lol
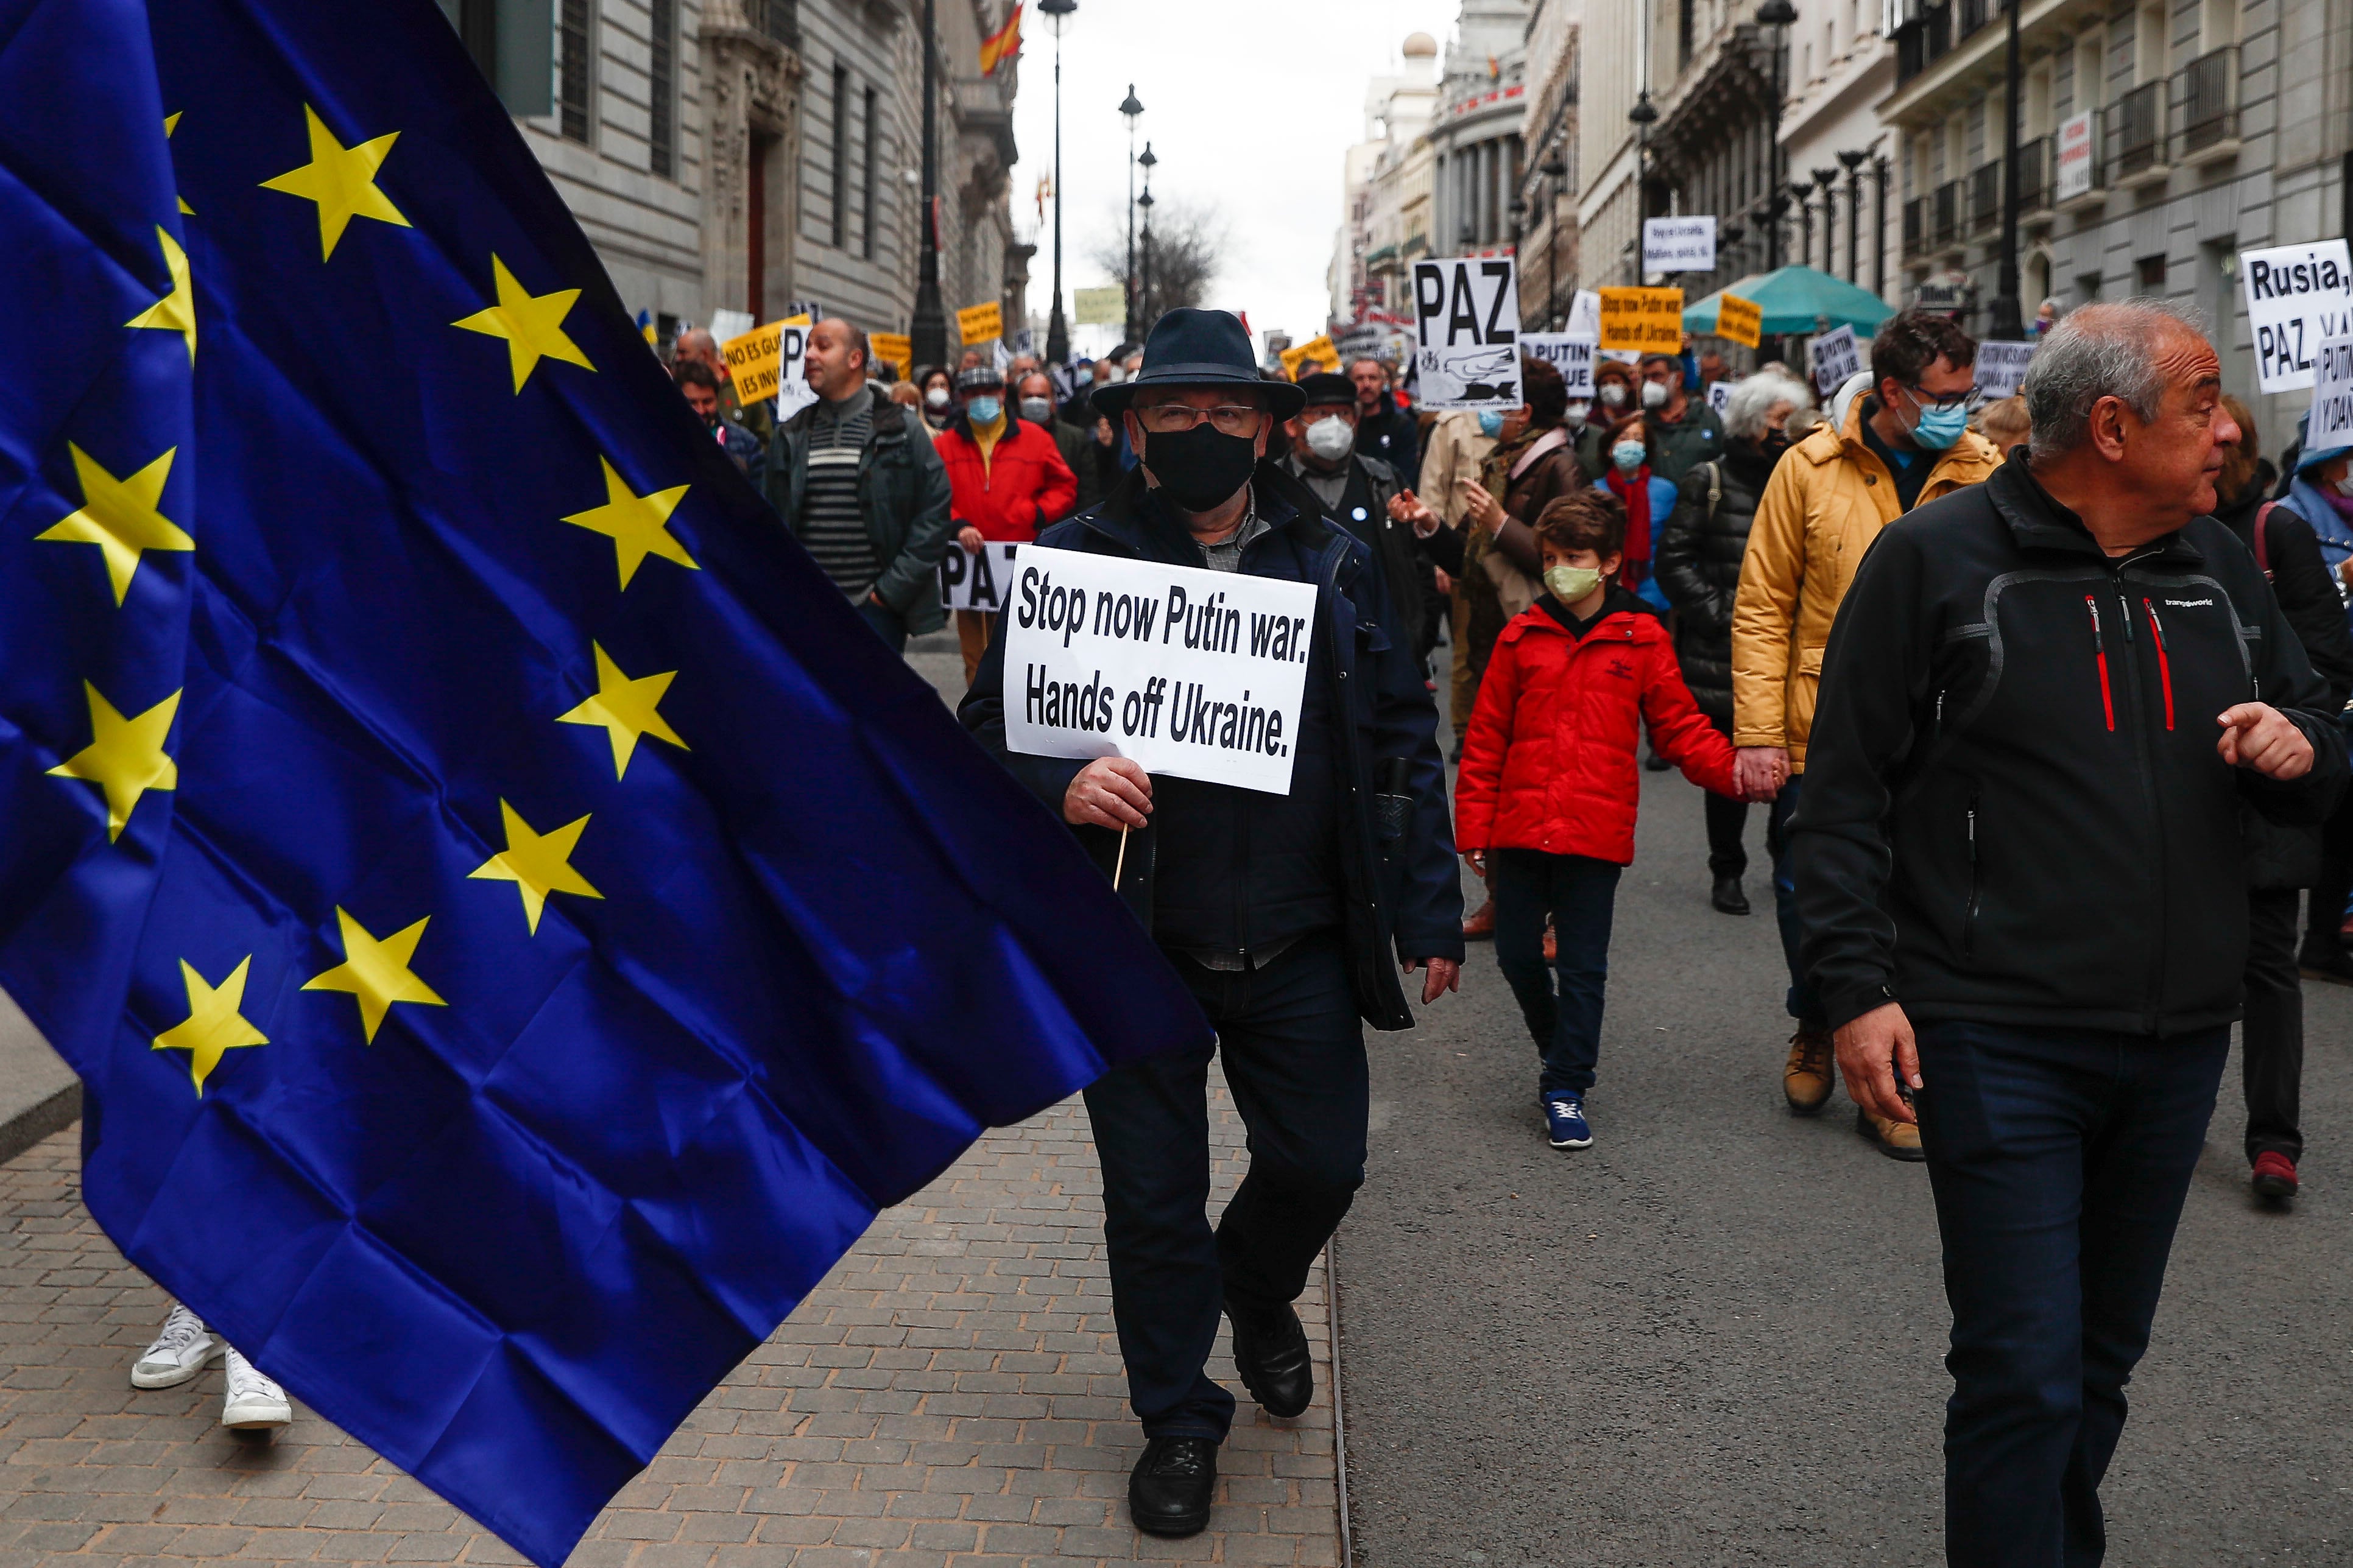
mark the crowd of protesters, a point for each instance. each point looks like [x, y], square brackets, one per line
[2041, 694]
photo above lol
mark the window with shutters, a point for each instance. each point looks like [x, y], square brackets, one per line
[575, 30]
[661, 91]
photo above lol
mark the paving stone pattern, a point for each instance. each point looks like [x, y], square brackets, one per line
[950, 1398]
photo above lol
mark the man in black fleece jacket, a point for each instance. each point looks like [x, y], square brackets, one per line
[2019, 866]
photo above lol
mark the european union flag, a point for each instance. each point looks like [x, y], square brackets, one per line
[514, 924]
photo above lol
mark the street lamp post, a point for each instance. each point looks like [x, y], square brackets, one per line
[1145, 289]
[1826, 179]
[1642, 116]
[1057, 328]
[1556, 170]
[928, 331]
[2009, 323]
[1131, 109]
[1880, 169]
[1854, 161]
[1799, 192]
[1777, 15]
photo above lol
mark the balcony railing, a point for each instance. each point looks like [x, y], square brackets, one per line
[2137, 131]
[2208, 92]
[1947, 213]
[1985, 197]
[1923, 41]
[1968, 16]
[2037, 175]
[1916, 227]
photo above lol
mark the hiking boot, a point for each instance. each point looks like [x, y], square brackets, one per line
[1810, 1073]
[1896, 1139]
[2275, 1175]
[1479, 926]
[1728, 897]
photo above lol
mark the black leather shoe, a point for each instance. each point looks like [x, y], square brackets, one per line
[1171, 1488]
[1728, 898]
[1270, 1354]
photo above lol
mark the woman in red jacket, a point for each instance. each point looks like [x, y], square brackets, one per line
[1007, 480]
[1546, 801]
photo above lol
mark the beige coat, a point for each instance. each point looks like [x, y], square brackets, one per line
[1453, 452]
[1826, 500]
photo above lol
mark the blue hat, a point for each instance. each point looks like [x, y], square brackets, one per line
[1199, 348]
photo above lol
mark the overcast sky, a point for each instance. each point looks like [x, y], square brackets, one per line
[1249, 105]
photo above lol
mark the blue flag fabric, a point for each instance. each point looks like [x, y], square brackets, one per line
[515, 924]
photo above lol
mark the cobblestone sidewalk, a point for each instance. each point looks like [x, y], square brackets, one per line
[951, 1397]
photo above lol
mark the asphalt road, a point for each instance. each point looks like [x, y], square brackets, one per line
[1718, 1335]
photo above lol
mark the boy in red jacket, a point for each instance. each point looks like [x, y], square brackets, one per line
[1546, 800]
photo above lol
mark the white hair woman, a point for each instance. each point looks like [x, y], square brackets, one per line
[1699, 556]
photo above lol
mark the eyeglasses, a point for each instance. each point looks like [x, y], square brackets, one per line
[1951, 400]
[1176, 419]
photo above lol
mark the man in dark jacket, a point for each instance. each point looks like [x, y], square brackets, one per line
[856, 478]
[1698, 566]
[1385, 432]
[1684, 431]
[1082, 454]
[2042, 704]
[1327, 457]
[1286, 915]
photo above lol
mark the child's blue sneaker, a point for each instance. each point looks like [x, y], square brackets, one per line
[1564, 1122]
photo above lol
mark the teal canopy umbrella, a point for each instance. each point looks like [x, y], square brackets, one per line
[1796, 299]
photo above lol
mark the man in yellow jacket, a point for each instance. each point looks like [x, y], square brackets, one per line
[1905, 443]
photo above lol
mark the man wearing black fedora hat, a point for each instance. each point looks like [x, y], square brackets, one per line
[1289, 916]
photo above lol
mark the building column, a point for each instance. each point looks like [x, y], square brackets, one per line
[751, 97]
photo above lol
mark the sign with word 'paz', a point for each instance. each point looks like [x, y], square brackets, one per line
[1645, 321]
[761, 361]
[1320, 350]
[979, 323]
[1834, 357]
[976, 579]
[1193, 673]
[2001, 368]
[1567, 354]
[1466, 331]
[1679, 244]
[2298, 296]
[2331, 424]
[1739, 321]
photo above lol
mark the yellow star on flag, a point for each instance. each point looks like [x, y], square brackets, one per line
[125, 756]
[532, 325]
[342, 180]
[214, 1025]
[172, 123]
[119, 516]
[538, 864]
[639, 525]
[376, 972]
[175, 312]
[627, 709]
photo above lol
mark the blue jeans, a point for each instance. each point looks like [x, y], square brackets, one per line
[1805, 1003]
[887, 624]
[1295, 1060]
[2060, 1159]
[1580, 894]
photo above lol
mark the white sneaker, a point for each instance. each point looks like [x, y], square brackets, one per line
[254, 1403]
[180, 1351]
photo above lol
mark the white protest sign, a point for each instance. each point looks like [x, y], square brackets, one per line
[2331, 424]
[1192, 673]
[976, 580]
[1566, 352]
[1834, 357]
[1466, 317]
[2002, 367]
[2079, 163]
[1719, 396]
[1585, 316]
[2298, 296]
[1679, 245]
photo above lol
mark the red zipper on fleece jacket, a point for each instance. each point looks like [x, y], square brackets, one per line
[2163, 666]
[2100, 652]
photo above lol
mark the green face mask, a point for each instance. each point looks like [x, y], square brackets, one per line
[1571, 583]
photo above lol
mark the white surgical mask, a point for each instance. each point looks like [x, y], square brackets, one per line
[1331, 438]
[1612, 394]
[1574, 419]
[1036, 410]
[1627, 455]
[1655, 394]
[936, 397]
[1571, 583]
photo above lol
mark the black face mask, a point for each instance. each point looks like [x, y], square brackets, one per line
[1200, 469]
[1773, 443]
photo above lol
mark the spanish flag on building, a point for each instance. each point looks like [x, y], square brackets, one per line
[1002, 45]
